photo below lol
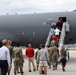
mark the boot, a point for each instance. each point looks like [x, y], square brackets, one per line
[63, 69]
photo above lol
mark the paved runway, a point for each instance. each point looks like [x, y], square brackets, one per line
[70, 68]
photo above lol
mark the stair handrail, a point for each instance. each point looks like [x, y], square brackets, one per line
[48, 39]
[62, 36]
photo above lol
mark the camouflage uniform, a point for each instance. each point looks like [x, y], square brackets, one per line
[18, 61]
[11, 52]
[53, 43]
[54, 57]
[11, 56]
[50, 59]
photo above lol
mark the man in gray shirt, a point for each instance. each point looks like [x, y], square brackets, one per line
[4, 58]
[43, 58]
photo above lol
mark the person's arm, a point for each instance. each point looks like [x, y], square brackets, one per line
[12, 52]
[21, 55]
[65, 53]
[33, 52]
[26, 52]
[8, 57]
[38, 57]
[47, 56]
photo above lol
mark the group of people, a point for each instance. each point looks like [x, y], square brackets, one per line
[44, 56]
[49, 57]
[56, 28]
[7, 53]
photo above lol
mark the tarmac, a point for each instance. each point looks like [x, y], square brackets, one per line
[70, 67]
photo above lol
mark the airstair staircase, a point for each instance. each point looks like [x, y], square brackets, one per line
[48, 39]
[65, 28]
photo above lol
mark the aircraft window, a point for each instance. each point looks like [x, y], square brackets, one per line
[30, 39]
[23, 33]
[33, 35]
[33, 32]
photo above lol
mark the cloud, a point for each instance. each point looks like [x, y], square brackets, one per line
[39, 6]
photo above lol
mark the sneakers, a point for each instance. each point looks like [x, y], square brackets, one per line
[42, 72]
[34, 69]
[29, 70]
[49, 67]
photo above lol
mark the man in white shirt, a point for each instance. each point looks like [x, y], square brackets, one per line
[57, 32]
[4, 58]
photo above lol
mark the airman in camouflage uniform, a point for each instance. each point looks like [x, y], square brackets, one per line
[54, 55]
[37, 64]
[10, 49]
[11, 52]
[18, 60]
[53, 42]
[50, 59]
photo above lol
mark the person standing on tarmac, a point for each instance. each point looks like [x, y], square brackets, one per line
[54, 56]
[43, 59]
[11, 52]
[63, 55]
[18, 60]
[4, 58]
[30, 55]
[50, 59]
[37, 64]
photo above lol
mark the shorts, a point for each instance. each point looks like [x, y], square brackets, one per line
[42, 63]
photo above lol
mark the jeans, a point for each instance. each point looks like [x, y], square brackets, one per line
[63, 61]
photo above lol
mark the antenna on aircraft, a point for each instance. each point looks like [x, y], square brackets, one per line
[15, 13]
[7, 13]
[34, 12]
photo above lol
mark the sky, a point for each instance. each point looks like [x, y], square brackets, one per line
[38, 6]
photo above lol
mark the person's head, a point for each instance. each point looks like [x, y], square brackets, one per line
[62, 48]
[57, 28]
[39, 48]
[42, 45]
[4, 42]
[54, 38]
[60, 20]
[18, 44]
[48, 46]
[0, 43]
[53, 43]
[51, 26]
[29, 45]
[9, 42]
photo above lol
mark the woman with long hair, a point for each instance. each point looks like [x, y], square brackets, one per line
[63, 57]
